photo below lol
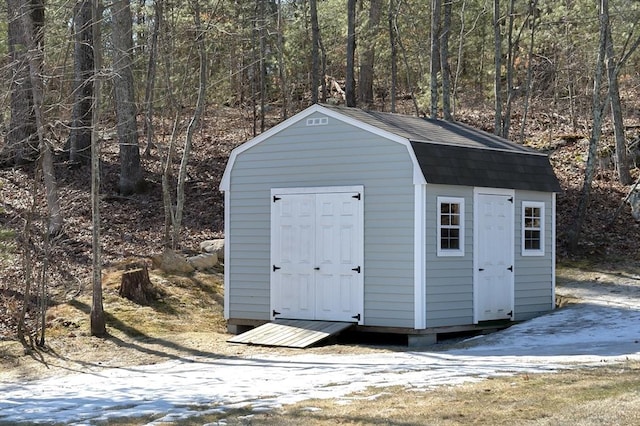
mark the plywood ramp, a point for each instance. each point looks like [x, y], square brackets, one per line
[291, 333]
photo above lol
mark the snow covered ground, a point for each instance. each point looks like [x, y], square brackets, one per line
[606, 327]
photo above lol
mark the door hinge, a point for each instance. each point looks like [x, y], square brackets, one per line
[357, 196]
[480, 269]
[356, 317]
[510, 268]
[274, 313]
[510, 313]
[510, 199]
[357, 269]
[276, 198]
[275, 268]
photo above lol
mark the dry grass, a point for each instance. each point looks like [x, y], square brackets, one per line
[187, 303]
[187, 322]
[605, 395]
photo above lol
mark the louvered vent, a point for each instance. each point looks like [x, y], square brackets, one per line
[318, 121]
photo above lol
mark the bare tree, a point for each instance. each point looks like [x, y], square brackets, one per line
[123, 88]
[97, 317]
[533, 17]
[367, 59]
[80, 134]
[613, 69]
[497, 67]
[315, 50]
[350, 85]
[34, 58]
[434, 63]
[282, 72]
[173, 214]
[444, 61]
[393, 46]
[151, 77]
[598, 106]
[21, 142]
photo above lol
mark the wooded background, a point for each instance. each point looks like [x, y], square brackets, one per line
[79, 74]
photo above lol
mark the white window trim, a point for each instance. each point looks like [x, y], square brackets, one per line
[533, 252]
[450, 252]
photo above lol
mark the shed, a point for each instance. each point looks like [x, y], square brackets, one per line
[392, 222]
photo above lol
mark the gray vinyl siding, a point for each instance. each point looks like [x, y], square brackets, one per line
[533, 274]
[449, 280]
[336, 154]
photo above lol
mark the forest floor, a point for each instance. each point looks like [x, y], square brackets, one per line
[132, 231]
[187, 320]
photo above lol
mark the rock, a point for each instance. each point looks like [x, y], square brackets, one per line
[171, 262]
[203, 261]
[214, 246]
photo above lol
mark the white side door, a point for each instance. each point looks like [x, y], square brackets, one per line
[317, 255]
[494, 252]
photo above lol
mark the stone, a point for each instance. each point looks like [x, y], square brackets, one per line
[172, 262]
[203, 261]
[214, 246]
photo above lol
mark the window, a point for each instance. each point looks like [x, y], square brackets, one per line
[532, 228]
[450, 226]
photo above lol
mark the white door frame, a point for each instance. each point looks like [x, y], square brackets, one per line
[476, 231]
[359, 189]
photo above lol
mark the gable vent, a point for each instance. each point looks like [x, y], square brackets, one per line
[318, 121]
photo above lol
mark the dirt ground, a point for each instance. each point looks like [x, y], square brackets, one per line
[76, 350]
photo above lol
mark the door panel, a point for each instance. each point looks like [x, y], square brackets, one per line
[294, 254]
[318, 255]
[339, 259]
[494, 274]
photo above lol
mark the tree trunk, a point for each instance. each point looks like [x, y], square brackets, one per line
[282, 72]
[130, 168]
[511, 47]
[315, 51]
[195, 120]
[136, 286]
[445, 72]
[97, 317]
[529, 78]
[21, 142]
[394, 54]
[596, 129]
[80, 134]
[367, 60]
[622, 166]
[350, 84]
[34, 57]
[434, 67]
[497, 67]
[151, 77]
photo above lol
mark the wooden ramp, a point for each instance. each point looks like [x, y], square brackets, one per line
[291, 333]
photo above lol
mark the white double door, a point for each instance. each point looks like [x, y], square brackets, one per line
[494, 249]
[317, 255]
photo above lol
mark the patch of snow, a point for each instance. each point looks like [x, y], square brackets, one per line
[601, 330]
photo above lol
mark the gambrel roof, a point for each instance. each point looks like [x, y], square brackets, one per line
[443, 152]
[456, 154]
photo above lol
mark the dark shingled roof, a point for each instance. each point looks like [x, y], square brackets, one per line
[456, 154]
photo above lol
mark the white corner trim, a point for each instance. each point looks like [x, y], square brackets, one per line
[227, 251]
[553, 251]
[420, 257]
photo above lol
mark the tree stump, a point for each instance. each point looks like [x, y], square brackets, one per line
[136, 286]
